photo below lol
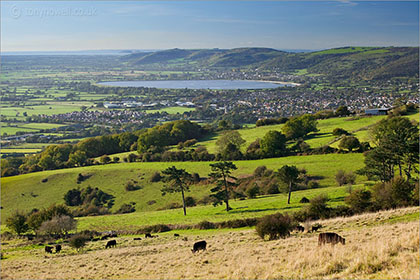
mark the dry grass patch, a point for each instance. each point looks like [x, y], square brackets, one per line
[376, 251]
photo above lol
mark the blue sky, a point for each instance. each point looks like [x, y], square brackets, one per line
[64, 26]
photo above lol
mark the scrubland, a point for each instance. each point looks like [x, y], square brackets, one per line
[383, 245]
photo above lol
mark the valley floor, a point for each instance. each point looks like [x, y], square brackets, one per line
[383, 245]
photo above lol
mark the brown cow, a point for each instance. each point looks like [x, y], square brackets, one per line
[330, 237]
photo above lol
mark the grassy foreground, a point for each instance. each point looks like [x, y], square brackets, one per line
[383, 245]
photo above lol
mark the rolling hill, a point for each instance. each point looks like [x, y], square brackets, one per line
[347, 62]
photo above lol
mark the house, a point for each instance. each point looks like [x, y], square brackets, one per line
[377, 111]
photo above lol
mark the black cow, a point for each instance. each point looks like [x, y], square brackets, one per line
[200, 245]
[137, 238]
[105, 237]
[111, 243]
[330, 237]
[49, 249]
[57, 248]
[176, 235]
[300, 228]
[316, 227]
[148, 235]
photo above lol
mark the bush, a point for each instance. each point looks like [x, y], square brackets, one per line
[104, 159]
[252, 191]
[190, 201]
[156, 177]
[359, 200]
[237, 223]
[205, 225]
[58, 225]
[259, 171]
[343, 178]
[17, 223]
[274, 226]
[339, 131]
[350, 143]
[156, 228]
[131, 186]
[151, 202]
[77, 241]
[206, 200]
[304, 200]
[395, 193]
[126, 208]
[317, 208]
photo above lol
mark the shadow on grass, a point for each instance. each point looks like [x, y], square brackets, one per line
[317, 135]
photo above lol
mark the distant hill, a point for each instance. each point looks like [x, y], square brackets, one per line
[347, 62]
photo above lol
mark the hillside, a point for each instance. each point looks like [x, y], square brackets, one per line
[382, 245]
[349, 62]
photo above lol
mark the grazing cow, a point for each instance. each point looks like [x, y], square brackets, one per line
[148, 235]
[330, 237]
[57, 248]
[111, 243]
[200, 245]
[105, 237]
[316, 227]
[95, 239]
[137, 238]
[300, 228]
[176, 235]
[49, 249]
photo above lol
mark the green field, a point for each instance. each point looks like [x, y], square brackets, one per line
[25, 192]
[12, 128]
[171, 110]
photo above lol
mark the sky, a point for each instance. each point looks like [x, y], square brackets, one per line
[310, 25]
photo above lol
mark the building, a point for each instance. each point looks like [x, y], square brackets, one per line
[377, 111]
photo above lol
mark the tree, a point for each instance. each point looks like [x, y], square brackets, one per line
[58, 225]
[273, 144]
[359, 200]
[300, 126]
[78, 158]
[349, 142]
[379, 164]
[178, 181]
[398, 139]
[231, 137]
[221, 174]
[290, 176]
[342, 111]
[339, 131]
[17, 223]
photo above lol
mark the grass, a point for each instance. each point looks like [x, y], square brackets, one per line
[373, 251]
[12, 128]
[172, 110]
[25, 192]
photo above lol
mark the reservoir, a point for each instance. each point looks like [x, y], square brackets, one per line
[200, 84]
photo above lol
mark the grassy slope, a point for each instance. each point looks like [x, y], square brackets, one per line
[16, 191]
[237, 254]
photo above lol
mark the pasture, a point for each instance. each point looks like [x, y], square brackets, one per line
[27, 191]
[377, 247]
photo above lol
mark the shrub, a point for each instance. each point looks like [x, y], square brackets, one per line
[156, 177]
[17, 223]
[252, 191]
[104, 159]
[359, 200]
[304, 200]
[58, 225]
[190, 201]
[350, 143]
[126, 208]
[395, 193]
[206, 200]
[317, 208]
[274, 226]
[151, 202]
[343, 178]
[131, 186]
[196, 177]
[77, 241]
[339, 131]
[115, 159]
[205, 225]
[156, 228]
[237, 223]
[259, 171]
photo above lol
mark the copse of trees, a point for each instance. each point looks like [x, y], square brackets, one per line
[170, 133]
[271, 121]
[273, 144]
[229, 145]
[300, 126]
[397, 147]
